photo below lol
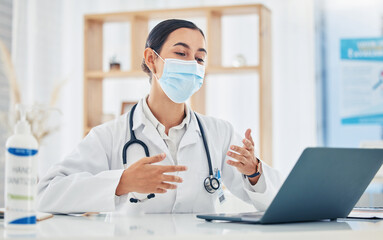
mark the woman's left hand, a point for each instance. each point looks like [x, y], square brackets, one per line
[246, 162]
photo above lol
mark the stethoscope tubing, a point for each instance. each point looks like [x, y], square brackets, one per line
[133, 140]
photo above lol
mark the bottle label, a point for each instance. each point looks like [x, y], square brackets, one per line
[20, 186]
[22, 152]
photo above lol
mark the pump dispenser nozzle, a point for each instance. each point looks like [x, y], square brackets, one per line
[22, 126]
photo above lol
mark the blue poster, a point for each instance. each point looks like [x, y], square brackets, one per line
[362, 81]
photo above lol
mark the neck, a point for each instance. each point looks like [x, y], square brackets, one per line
[167, 112]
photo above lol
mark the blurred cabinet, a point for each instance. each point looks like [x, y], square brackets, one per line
[139, 21]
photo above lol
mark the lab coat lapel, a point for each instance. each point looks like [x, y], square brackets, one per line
[153, 136]
[149, 131]
[192, 133]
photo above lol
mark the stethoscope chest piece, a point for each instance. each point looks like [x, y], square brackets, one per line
[211, 184]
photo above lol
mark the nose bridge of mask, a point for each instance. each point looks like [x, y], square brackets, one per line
[180, 78]
[184, 67]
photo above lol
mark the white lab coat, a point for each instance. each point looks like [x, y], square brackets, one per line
[86, 180]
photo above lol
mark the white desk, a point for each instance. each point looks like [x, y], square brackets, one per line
[187, 226]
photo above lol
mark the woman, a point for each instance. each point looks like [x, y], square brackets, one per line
[185, 157]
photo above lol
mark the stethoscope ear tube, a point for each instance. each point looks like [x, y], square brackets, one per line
[134, 140]
[205, 145]
[211, 183]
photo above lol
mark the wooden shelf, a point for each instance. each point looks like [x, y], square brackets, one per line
[243, 69]
[127, 74]
[115, 74]
[138, 32]
[178, 12]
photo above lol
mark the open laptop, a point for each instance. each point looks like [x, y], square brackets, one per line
[325, 183]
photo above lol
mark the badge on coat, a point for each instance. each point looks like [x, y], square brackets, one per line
[221, 195]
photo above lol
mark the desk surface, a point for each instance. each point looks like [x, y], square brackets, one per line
[187, 226]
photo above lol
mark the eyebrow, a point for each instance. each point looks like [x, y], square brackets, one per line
[188, 47]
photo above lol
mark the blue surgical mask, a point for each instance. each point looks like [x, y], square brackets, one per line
[181, 79]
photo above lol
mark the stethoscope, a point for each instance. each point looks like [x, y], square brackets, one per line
[211, 183]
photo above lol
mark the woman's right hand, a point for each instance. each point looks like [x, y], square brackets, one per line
[144, 177]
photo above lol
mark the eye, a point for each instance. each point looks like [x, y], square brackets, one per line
[181, 54]
[200, 60]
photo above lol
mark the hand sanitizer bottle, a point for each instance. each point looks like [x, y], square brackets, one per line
[21, 176]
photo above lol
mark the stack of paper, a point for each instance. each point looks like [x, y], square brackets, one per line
[368, 213]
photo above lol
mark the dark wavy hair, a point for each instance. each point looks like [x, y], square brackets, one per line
[160, 33]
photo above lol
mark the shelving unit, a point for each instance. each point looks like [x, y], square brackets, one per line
[93, 58]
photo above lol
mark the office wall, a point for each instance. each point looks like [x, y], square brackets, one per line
[6, 38]
[345, 19]
[37, 53]
[48, 48]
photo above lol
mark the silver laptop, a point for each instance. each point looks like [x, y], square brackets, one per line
[325, 183]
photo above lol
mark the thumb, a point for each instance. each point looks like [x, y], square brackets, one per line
[248, 135]
[154, 159]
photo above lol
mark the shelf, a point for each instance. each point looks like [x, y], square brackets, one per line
[140, 21]
[115, 74]
[244, 69]
[138, 73]
[176, 12]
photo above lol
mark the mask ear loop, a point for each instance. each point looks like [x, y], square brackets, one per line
[161, 59]
[158, 55]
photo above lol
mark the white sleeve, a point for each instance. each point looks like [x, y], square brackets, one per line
[261, 194]
[264, 191]
[83, 181]
[259, 187]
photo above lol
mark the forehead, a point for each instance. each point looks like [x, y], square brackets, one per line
[191, 37]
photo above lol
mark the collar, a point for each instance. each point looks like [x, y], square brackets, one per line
[140, 119]
[152, 119]
[192, 134]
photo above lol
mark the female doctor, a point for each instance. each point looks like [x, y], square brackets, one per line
[161, 157]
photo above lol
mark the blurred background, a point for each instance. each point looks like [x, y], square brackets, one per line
[313, 103]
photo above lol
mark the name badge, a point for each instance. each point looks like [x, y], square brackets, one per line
[221, 195]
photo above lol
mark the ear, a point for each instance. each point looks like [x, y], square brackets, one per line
[150, 56]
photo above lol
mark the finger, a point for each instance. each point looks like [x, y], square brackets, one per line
[234, 163]
[154, 159]
[248, 136]
[160, 190]
[240, 150]
[171, 178]
[236, 156]
[172, 168]
[249, 146]
[167, 186]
